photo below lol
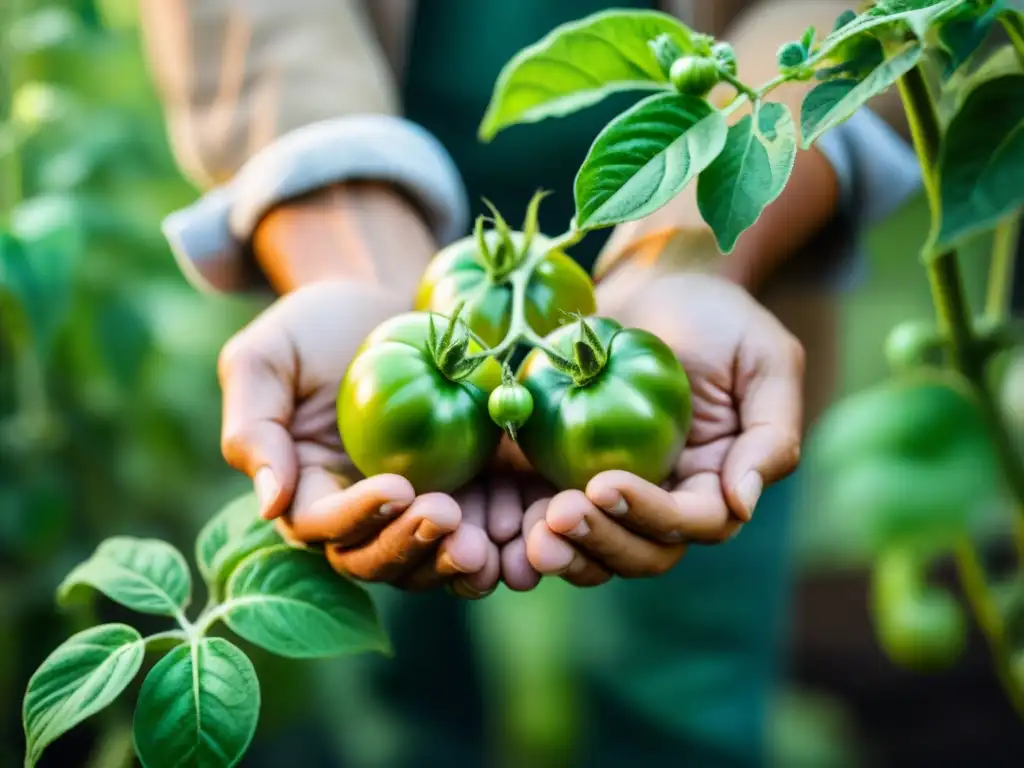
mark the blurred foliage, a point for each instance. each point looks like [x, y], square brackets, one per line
[109, 407]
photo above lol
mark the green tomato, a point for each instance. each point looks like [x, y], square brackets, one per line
[909, 461]
[633, 415]
[458, 273]
[694, 75]
[913, 344]
[397, 413]
[510, 405]
[791, 55]
[919, 626]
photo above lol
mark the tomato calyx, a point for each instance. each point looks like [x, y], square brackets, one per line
[450, 352]
[589, 357]
[666, 51]
[505, 257]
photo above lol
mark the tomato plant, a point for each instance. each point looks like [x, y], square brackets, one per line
[600, 396]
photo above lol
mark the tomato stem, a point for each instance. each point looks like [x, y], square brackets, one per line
[956, 321]
[1000, 276]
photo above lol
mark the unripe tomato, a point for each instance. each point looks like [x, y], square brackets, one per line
[633, 415]
[397, 413]
[919, 627]
[791, 55]
[459, 274]
[510, 405]
[726, 57]
[694, 75]
[913, 344]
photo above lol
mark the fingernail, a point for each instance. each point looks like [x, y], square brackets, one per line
[391, 508]
[735, 533]
[428, 532]
[579, 530]
[749, 492]
[267, 489]
[619, 508]
[672, 537]
[463, 590]
[577, 565]
[446, 563]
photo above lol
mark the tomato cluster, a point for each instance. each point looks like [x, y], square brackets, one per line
[429, 393]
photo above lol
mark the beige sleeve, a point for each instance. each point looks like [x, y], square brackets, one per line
[234, 75]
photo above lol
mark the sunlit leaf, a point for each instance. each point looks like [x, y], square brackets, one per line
[146, 575]
[982, 160]
[749, 174]
[917, 15]
[645, 157]
[82, 676]
[293, 604]
[198, 707]
[234, 532]
[578, 64]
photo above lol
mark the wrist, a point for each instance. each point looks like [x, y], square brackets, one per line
[359, 232]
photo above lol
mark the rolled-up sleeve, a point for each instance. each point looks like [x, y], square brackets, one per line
[267, 100]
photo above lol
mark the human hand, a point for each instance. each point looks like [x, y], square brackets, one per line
[746, 375]
[280, 377]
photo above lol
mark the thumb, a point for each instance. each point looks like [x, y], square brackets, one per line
[257, 380]
[770, 407]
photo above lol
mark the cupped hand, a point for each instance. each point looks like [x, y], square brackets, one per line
[280, 377]
[746, 377]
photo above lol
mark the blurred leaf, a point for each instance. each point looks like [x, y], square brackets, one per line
[198, 707]
[146, 575]
[293, 604]
[38, 104]
[81, 677]
[962, 35]
[124, 339]
[49, 27]
[232, 534]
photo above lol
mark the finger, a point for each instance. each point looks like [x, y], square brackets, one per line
[256, 378]
[638, 505]
[509, 456]
[516, 571]
[403, 544]
[464, 552]
[505, 510]
[483, 582]
[351, 516]
[550, 554]
[602, 539]
[771, 421]
[472, 500]
[709, 520]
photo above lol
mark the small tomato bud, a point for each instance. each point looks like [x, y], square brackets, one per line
[726, 57]
[791, 55]
[694, 75]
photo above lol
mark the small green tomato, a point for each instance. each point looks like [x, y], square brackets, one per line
[510, 405]
[694, 75]
[791, 55]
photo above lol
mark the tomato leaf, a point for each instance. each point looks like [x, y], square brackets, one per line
[982, 159]
[645, 157]
[578, 64]
[917, 15]
[750, 173]
[233, 533]
[83, 675]
[963, 33]
[146, 575]
[835, 101]
[198, 706]
[293, 604]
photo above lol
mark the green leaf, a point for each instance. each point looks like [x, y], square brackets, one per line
[917, 15]
[578, 64]
[962, 35]
[198, 707]
[645, 157]
[146, 575]
[291, 603]
[750, 173]
[82, 676]
[981, 164]
[835, 101]
[234, 532]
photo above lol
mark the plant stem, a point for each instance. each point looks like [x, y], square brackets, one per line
[956, 322]
[179, 635]
[1000, 274]
[975, 584]
[1014, 26]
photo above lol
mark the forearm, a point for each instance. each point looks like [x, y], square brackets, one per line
[362, 232]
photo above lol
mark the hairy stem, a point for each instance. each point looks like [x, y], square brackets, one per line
[956, 322]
